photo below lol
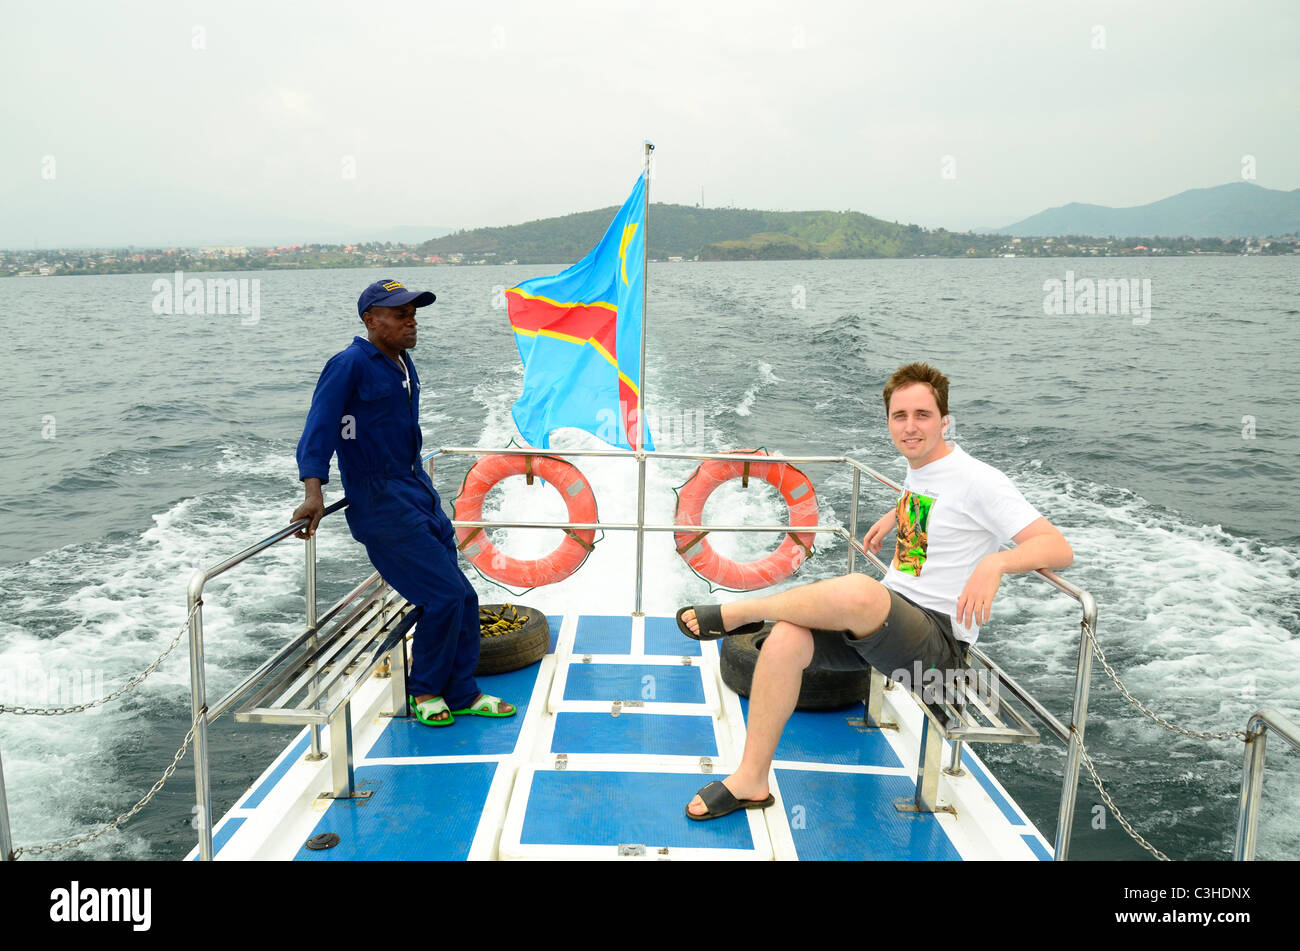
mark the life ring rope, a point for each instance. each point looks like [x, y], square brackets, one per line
[461, 546]
[799, 541]
[590, 546]
[690, 543]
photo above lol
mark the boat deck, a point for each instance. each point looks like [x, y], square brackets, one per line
[618, 726]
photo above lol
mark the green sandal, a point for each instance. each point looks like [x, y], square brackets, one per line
[426, 709]
[486, 706]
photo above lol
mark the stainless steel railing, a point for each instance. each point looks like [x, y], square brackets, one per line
[198, 686]
[1252, 775]
[1071, 735]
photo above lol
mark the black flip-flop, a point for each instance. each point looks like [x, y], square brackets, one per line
[718, 799]
[709, 617]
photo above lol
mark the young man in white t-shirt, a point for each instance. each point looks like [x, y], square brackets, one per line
[951, 521]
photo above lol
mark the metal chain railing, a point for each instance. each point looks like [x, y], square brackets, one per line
[124, 689]
[55, 847]
[1193, 734]
[1154, 717]
[1110, 804]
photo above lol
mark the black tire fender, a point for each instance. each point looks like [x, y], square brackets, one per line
[502, 653]
[821, 689]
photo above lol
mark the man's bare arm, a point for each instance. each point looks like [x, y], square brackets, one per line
[1039, 544]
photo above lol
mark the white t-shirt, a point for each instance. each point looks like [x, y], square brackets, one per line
[953, 512]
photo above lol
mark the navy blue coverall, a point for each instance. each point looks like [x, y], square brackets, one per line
[362, 411]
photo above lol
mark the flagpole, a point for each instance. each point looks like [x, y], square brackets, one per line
[640, 385]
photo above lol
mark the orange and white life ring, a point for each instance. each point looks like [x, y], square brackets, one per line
[800, 498]
[478, 549]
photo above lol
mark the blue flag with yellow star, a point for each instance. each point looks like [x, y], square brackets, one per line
[579, 337]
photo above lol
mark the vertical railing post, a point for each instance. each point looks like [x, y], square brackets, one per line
[1078, 721]
[929, 763]
[199, 716]
[397, 678]
[342, 774]
[853, 517]
[6, 837]
[877, 684]
[640, 531]
[310, 554]
[1252, 776]
[954, 766]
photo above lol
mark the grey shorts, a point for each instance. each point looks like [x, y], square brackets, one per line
[910, 633]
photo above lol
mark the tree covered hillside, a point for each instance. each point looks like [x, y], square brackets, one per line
[712, 234]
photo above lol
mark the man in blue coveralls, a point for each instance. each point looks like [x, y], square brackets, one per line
[367, 409]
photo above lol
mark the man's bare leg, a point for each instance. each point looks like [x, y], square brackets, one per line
[855, 603]
[786, 653]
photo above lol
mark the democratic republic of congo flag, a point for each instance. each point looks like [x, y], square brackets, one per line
[579, 336]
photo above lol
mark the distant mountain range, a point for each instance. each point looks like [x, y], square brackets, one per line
[1237, 210]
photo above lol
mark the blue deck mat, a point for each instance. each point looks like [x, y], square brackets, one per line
[420, 811]
[572, 807]
[662, 637]
[468, 736]
[634, 733]
[653, 683]
[554, 621]
[599, 634]
[826, 736]
[851, 816]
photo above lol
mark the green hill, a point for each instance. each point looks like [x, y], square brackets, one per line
[714, 234]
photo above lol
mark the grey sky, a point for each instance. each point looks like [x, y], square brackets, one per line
[461, 115]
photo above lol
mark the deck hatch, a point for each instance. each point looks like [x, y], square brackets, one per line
[648, 682]
[851, 816]
[662, 637]
[420, 811]
[606, 809]
[634, 734]
[598, 634]
[833, 736]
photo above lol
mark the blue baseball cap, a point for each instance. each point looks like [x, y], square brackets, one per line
[391, 294]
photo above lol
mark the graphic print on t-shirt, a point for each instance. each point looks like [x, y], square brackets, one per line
[913, 532]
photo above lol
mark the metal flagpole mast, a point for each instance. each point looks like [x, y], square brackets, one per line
[640, 384]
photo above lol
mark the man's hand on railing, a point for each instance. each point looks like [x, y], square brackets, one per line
[313, 508]
[876, 534]
[975, 603]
